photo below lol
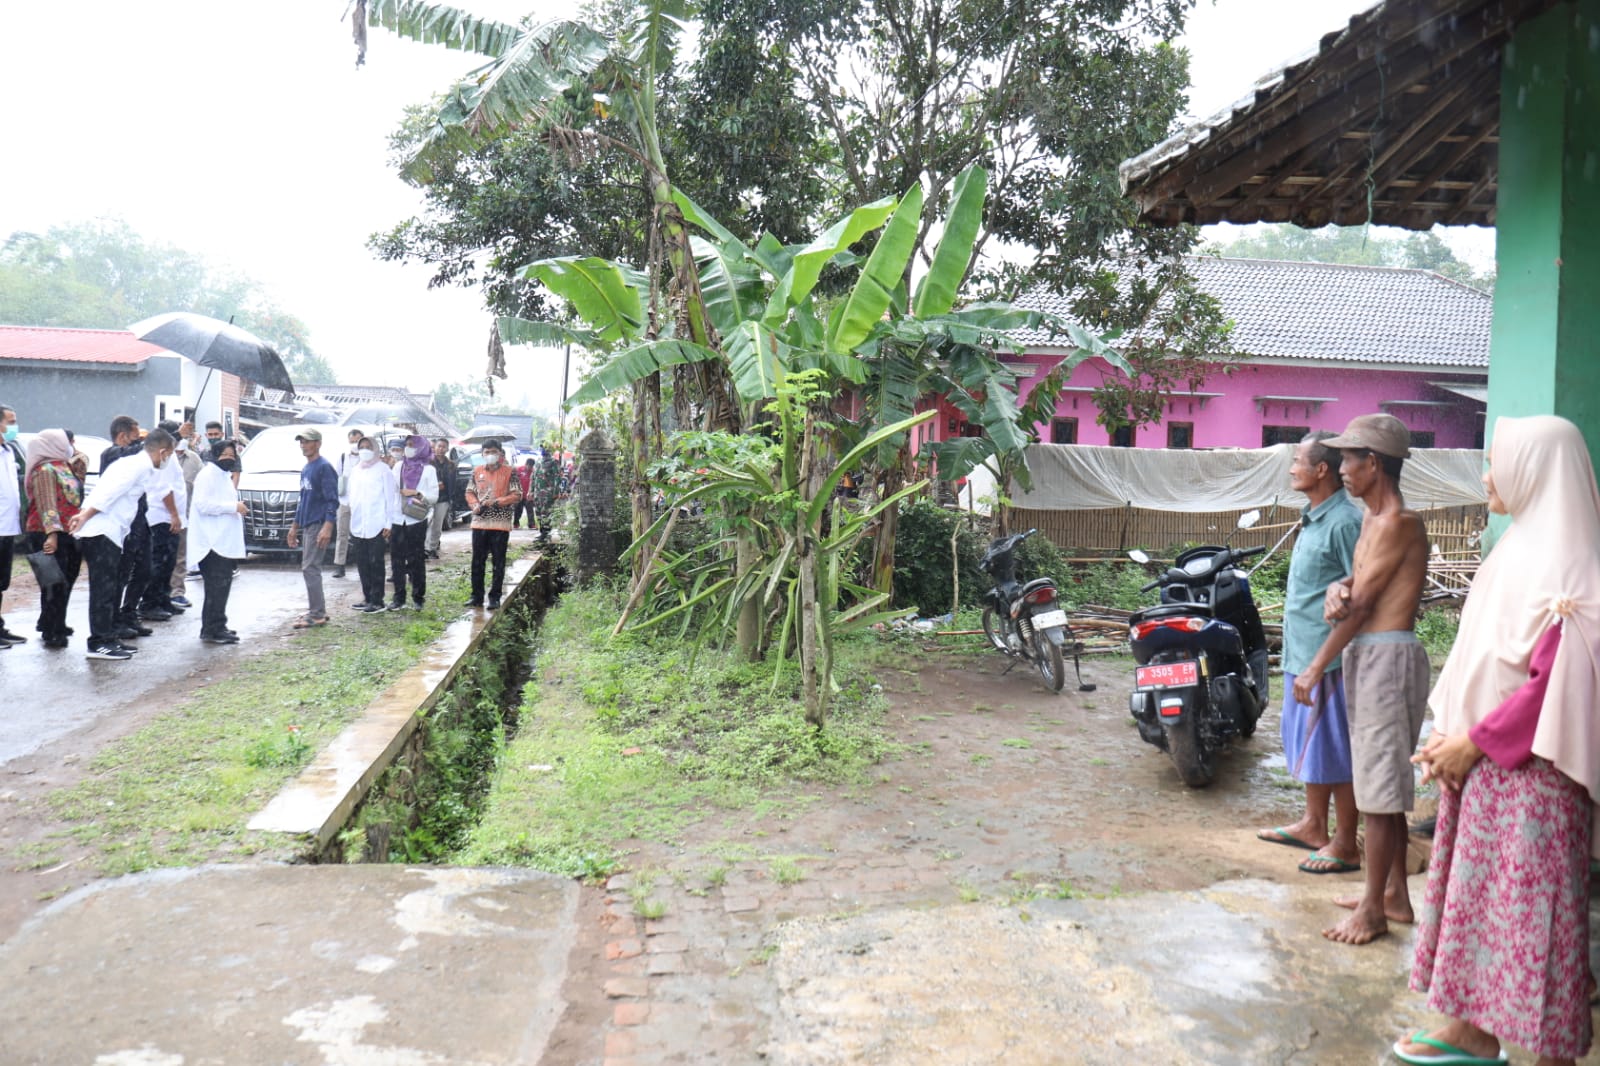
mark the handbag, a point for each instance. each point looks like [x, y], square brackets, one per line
[415, 507]
[46, 570]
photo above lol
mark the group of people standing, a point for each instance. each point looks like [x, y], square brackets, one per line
[162, 501]
[1502, 942]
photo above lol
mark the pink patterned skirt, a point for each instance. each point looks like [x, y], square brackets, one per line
[1503, 936]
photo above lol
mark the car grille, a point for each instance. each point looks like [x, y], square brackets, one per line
[271, 514]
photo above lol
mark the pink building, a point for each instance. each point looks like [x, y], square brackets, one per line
[1322, 343]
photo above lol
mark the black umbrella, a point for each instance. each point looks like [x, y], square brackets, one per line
[216, 344]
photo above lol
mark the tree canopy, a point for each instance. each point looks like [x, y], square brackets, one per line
[103, 275]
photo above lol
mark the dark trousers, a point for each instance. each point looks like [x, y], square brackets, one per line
[53, 602]
[488, 544]
[5, 559]
[368, 554]
[104, 559]
[163, 555]
[524, 506]
[406, 551]
[217, 574]
[135, 572]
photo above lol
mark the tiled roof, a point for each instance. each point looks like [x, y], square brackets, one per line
[1325, 312]
[49, 344]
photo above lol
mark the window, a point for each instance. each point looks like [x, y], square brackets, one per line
[1122, 437]
[1064, 431]
[1180, 434]
[1271, 435]
[1422, 438]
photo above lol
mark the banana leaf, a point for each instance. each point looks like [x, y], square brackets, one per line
[604, 294]
[936, 292]
[885, 270]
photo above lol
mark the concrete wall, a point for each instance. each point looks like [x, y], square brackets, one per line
[85, 397]
[1235, 419]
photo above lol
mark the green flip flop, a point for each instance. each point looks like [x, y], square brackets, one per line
[1328, 864]
[1449, 1054]
[1283, 836]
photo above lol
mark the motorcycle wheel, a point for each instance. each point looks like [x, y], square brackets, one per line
[1047, 657]
[994, 627]
[1195, 762]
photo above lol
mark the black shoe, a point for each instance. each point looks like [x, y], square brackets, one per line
[473, 602]
[129, 648]
[109, 651]
[133, 632]
[8, 637]
[219, 638]
[155, 614]
[55, 642]
[67, 631]
[396, 605]
[418, 606]
[338, 571]
[494, 603]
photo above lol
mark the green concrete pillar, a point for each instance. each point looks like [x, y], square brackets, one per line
[1545, 345]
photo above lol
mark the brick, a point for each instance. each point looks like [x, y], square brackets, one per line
[664, 964]
[624, 926]
[667, 943]
[736, 904]
[621, 1042]
[623, 949]
[633, 967]
[630, 1013]
[627, 988]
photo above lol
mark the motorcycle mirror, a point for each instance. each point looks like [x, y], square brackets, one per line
[1138, 556]
[1248, 519]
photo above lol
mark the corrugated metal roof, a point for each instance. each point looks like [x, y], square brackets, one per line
[52, 344]
[1333, 313]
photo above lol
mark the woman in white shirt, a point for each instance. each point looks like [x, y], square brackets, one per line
[216, 538]
[374, 496]
[419, 491]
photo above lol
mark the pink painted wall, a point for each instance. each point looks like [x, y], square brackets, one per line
[1235, 419]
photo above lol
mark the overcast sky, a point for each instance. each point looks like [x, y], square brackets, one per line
[244, 132]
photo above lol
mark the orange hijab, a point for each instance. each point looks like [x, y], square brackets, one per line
[1544, 571]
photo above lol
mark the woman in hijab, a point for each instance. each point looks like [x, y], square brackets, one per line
[216, 537]
[1503, 938]
[419, 491]
[55, 493]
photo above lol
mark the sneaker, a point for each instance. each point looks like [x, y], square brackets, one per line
[109, 651]
[133, 632]
[181, 602]
[338, 571]
[219, 638]
[494, 603]
[397, 605]
[129, 648]
[418, 606]
[7, 637]
[473, 602]
[155, 614]
[54, 642]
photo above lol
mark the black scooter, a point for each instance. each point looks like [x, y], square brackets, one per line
[1024, 621]
[1202, 655]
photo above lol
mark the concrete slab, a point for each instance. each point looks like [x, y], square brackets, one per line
[338, 965]
[321, 798]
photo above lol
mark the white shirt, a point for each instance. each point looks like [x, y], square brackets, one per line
[215, 524]
[167, 479]
[10, 496]
[374, 499]
[344, 465]
[428, 486]
[115, 498]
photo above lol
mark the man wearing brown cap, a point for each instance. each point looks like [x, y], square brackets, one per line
[1374, 614]
[316, 517]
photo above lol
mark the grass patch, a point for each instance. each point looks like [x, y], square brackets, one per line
[180, 790]
[647, 734]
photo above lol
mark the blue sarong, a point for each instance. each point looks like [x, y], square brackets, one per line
[1317, 746]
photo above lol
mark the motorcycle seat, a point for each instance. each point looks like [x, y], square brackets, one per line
[1169, 610]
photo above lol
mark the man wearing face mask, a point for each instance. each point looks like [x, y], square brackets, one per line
[374, 505]
[342, 466]
[213, 436]
[12, 504]
[188, 459]
[216, 529]
[156, 604]
[493, 497]
[127, 442]
[102, 527]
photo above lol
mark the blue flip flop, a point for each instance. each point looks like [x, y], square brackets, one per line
[1449, 1054]
[1283, 836]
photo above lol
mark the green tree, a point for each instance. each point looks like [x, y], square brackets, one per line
[103, 275]
[1357, 246]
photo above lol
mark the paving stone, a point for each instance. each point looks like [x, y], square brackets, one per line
[738, 904]
[665, 964]
[627, 988]
[667, 943]
[630, 1013]
[623, 926]
[628, 967]
[619, 883]
[807, 890]
[621, 1042]
[623, 949]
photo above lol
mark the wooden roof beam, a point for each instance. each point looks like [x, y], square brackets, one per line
[1477, 190]
[1450, 160]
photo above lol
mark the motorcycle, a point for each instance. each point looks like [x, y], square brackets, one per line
[1023, 620]
[1201, 677]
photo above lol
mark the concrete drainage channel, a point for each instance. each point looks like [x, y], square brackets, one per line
[403, 781]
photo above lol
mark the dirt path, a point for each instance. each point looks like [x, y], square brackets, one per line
[1004, 792]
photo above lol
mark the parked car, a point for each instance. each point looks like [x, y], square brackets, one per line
[89, 445]
[269, 481]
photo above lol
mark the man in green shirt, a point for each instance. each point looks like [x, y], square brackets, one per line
[1316, 737]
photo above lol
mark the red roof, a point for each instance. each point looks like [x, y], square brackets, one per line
[48, 344]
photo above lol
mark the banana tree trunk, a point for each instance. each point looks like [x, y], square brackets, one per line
[888, 528]
[814, 683]
[748, 632]
[646, 426]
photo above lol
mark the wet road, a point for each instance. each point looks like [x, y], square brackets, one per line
[52, 692]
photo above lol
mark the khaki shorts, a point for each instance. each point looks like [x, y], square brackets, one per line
[1386, 683]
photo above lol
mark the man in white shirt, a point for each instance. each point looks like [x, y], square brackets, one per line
[156, 605]
[216, 535]
[342, 466]
[102, 526]
[11, 508]
[187, 457]
[374, 505]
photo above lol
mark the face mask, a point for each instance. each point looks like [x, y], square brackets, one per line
[411, 453]
[491, 460]
[212, 440]
[11, 432]
[229, 465]
[183, 446]
[366, 454]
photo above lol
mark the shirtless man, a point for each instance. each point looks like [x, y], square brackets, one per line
[1374, 613]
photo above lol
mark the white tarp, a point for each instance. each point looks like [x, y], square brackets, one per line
[1082, 477]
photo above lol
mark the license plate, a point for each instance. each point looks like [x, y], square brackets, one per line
[1046, 619]
[1166, 675]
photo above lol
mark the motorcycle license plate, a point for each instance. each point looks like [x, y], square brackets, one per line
[1166, 675]
[1046, 619]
